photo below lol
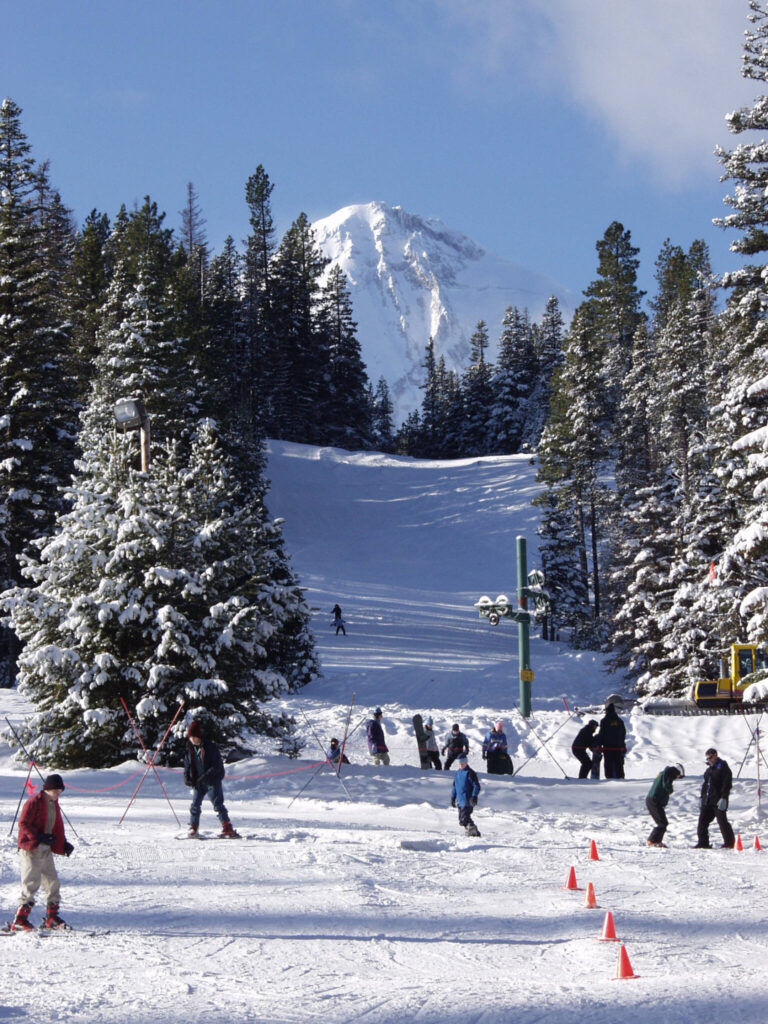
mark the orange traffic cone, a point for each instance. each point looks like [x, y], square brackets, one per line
[623, 966]
[571, 880]
[593, 851]
[757, 843]
[589, 900]
[739, 845]
[608, 933]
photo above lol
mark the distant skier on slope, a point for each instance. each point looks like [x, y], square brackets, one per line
[334, 753]
[715, 790]
[41, 834]
[657, 800]
[433, 752]
[495, 751]
[464, 793]
[611, 742]
[338, 620]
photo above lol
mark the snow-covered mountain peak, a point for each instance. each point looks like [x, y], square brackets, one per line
[413, 278]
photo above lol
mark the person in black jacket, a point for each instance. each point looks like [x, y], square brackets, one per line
[455, 743]
[585, 740]
[611, 743]
[715, 790]
[204, 773]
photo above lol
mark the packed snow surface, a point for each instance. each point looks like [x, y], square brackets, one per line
[363, 901]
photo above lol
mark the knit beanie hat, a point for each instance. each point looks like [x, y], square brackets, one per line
[54, 782]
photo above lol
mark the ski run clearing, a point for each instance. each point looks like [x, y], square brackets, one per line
[365, 902]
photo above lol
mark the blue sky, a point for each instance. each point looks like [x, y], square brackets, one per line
[529, 125]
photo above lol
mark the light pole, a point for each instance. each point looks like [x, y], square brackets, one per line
[131, 414]
[501, 608]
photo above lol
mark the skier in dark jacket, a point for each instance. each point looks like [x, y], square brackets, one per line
[715, 790]
[41, 835]
[335, 755]
[658, 798]
[338, 620]
[455, 743]
[464, 793]
[204, 773]
[377, 746]
[585, 740]
[495, 751]
[611, 742]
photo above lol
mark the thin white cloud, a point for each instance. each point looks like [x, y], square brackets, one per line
[658, 75]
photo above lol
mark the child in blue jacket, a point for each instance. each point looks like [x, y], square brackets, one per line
[465, 791]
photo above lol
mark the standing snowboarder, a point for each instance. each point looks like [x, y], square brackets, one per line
[585, 740]
[658, 798]
[455, 744]
[204, 773]
[464, 793]
[41, 835]
[338, 620]
[377, 746]
[715, 790]
[433, 752]
[495, 751]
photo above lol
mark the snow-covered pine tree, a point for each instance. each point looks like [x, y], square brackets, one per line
[742, 570]
[477, 396]
[383, 426]
[347, 420]
[37, 394]
[548, 348]
[158, 588]
[513, 380]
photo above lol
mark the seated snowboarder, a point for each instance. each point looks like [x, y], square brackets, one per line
[335, 755]
[495, 751]
[464, 794]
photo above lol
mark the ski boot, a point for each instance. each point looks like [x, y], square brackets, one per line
[227, 832]
[20, 922]
[661, 846]
[192, 832]
[52, 920]
[472, 830]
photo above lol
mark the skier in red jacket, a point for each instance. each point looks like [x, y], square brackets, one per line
[41, 834]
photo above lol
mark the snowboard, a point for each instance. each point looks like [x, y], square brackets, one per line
[421, 741]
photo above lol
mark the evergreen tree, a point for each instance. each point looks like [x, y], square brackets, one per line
[37, 415]
[513, 382]
[477, 396]
[347, 417]
[383, 426]
[548, 349]
[264, 367]
[157, 588]
[86, 286]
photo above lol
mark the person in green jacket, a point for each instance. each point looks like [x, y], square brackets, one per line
[657, 800]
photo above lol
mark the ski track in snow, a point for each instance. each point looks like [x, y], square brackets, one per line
[377, 908]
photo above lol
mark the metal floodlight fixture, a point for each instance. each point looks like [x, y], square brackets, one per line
[130, 413]
[493, 618]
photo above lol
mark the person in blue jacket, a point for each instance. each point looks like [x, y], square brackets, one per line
[204, 773]
[335, 754]
[464, 794]
[495, 751]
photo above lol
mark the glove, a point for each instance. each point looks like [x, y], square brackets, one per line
[188, 782]
[722, 804]
[474, 801]
[46, 837]
[453, 803]
[485, 757]
[68, 848]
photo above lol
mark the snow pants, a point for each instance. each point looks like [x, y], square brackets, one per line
[434, 757]
[659, 815]
[584, 759]
[217, 799]
[465, 816]
[38, 868]
[380, 757]
[613, 764]
[709, 813]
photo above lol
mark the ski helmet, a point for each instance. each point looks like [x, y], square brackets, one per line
[680, 770]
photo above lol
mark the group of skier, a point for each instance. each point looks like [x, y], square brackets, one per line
[713, 801]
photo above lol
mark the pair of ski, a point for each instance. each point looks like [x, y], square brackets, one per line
[197, 837]
[7, 929]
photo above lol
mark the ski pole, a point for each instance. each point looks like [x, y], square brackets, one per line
[18, 805]
[34, 765]
[152, 761]
[346, 730]
[157, 775]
